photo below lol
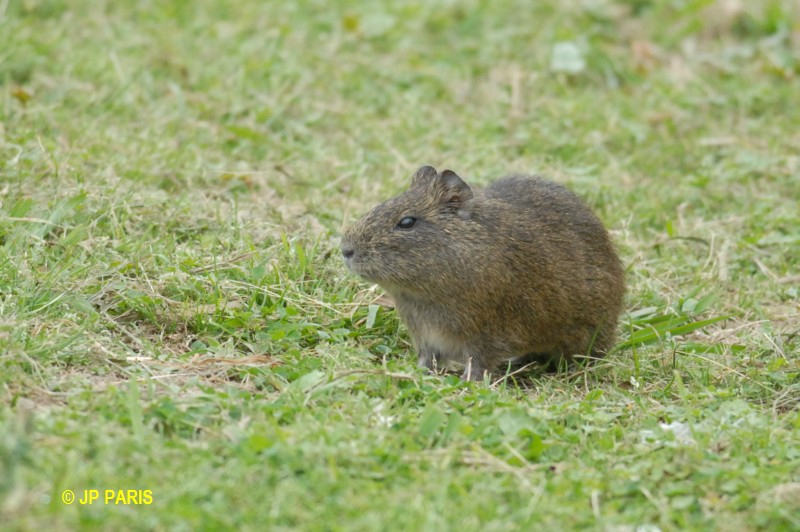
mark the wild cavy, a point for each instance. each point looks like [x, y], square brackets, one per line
[483, 277]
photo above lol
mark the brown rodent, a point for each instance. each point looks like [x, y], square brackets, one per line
[484, 277]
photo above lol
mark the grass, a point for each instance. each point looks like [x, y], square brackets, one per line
[175, 316]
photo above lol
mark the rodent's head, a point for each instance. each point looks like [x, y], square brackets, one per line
[405, 243]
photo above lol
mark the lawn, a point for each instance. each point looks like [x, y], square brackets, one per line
[176, 318]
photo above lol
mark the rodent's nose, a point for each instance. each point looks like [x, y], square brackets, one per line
[348, 251]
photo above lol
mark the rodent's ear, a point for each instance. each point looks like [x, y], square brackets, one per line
[454, 191]
[426, 173]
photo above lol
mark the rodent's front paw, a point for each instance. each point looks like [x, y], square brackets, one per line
[427, 359]
[473, 371]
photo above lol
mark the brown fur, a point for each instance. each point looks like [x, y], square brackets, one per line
[484, 277]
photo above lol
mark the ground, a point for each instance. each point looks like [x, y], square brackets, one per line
[176, 319]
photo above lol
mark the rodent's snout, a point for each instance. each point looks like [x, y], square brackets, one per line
[348, 248]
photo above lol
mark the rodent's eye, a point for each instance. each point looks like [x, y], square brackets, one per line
[407, 222]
